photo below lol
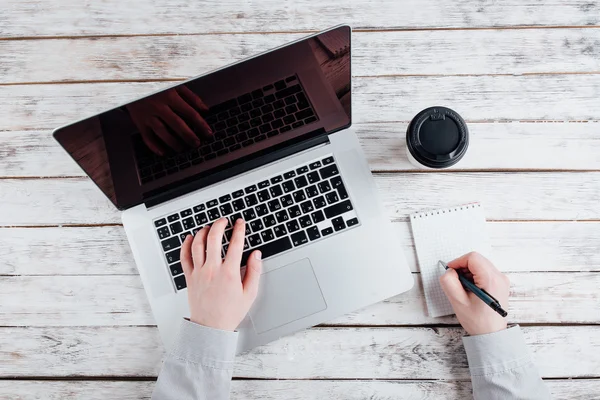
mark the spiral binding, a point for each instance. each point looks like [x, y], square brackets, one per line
[445, 210]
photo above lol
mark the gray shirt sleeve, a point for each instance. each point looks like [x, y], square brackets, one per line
[502, 367]
[199, 366]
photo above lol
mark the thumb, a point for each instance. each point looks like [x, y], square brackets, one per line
[453, 288]
[253, 268]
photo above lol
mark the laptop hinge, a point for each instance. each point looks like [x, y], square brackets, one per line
[227, 171]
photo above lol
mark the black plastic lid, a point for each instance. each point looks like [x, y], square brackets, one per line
[437, 137]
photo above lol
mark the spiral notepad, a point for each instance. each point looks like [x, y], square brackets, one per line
[446, 234]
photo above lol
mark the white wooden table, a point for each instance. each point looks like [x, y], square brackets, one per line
[525, 74]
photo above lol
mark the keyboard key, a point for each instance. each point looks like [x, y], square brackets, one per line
[302, 170]
[248, 231]
[225, 199]
[285, 129]
[263, 184]
[195, 230]
[329, 171]
[294, 211]
[281, 216]
[289, 119]
[170, 243]
[176, 228]
[280, 230]
[254, 240]
[249, 214]
[270, 249]
[314, 165]
[257, 94]
[304, 114]
[289, 175]
[338, 209]
[245, 98]
[309, 119]
[199, 207]
[276, 179]
[213, 214]
[292, 226]
[290, 99]
[160, 222]
[327, 160]
[332, 197]
[311, 191]
[301, 181]
[336, 182]
[250, 189]
[183, 235]
[180, 282]
[173, 256]
[299, 196]
[173, 217]
[274, 205]
[297, 124]
[327, 231]
[238, 205]
[263, 195]
[269, 220]
[248, 143]
[338, 224]
[288, 186]
[313, 177]
[290, 78]
[317, 216]
[261, 210]
[306, 207]
[319, 202]
[281, 94]
[235, 217]
[226, 209]
[212, 203]
[176, 269]
[251, 200]
[163, 232]
[278, 123]
[352, 222]
[280, 85]
[304, 221]
[324, 187]
[267, 235]
[256, 225]
[265, 128]
[276, 191]
[201, 219]
[188, 223]
[299, 238]
[313, 233]
[286, 200]
[342, 192]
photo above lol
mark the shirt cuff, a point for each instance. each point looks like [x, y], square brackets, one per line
[210, 347]
[496, 352]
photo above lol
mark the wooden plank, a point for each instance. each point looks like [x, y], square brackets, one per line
[36, 153]
[518, 247]
[275, 390]
[506, 196]
[374, 53]
[121, 300]
[477, 98]
[71, 17]
[351, 353]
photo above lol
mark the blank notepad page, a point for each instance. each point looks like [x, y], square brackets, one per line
[446, 234]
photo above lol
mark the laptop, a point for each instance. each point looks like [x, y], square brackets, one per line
[267, 139]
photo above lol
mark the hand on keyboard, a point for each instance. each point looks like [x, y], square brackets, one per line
[174, 111]
[217, 296]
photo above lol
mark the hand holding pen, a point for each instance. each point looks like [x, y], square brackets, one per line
[475, 315]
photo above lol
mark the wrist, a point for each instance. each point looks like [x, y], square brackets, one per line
[484, 330]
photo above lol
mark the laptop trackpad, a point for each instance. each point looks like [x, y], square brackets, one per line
[287, 294]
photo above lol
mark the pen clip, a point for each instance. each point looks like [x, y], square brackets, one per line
[492, 297]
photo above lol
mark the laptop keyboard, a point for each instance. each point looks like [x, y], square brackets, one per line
[269, 111]
[302, 205]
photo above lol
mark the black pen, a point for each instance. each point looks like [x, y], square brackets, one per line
[482, 294]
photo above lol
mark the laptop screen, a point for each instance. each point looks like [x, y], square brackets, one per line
[214, 122]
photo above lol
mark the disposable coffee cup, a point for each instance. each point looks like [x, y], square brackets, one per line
[436, 138]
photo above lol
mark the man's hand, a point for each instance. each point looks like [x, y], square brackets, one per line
[217, 296]
[473, 314]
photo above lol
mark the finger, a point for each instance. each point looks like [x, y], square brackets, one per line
[236, 244]
[151, 141]
[214, 242]
[252, 278]
[162, 132]
[480, 267]
[187, 261]
[179, 105]
[179, 126]
[454, 290]
[192, 98]
[199, 247]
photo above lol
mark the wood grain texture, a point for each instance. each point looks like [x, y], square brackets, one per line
[512, 196]
[71, 17]
[323, 353]
[518, 247]
[572, 146]
[556, 298]
[276, 390]
[476, 98]
[374, 53]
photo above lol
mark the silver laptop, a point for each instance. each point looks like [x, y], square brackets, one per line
[267, 139]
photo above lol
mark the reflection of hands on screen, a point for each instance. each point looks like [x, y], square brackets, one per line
[169, 119]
